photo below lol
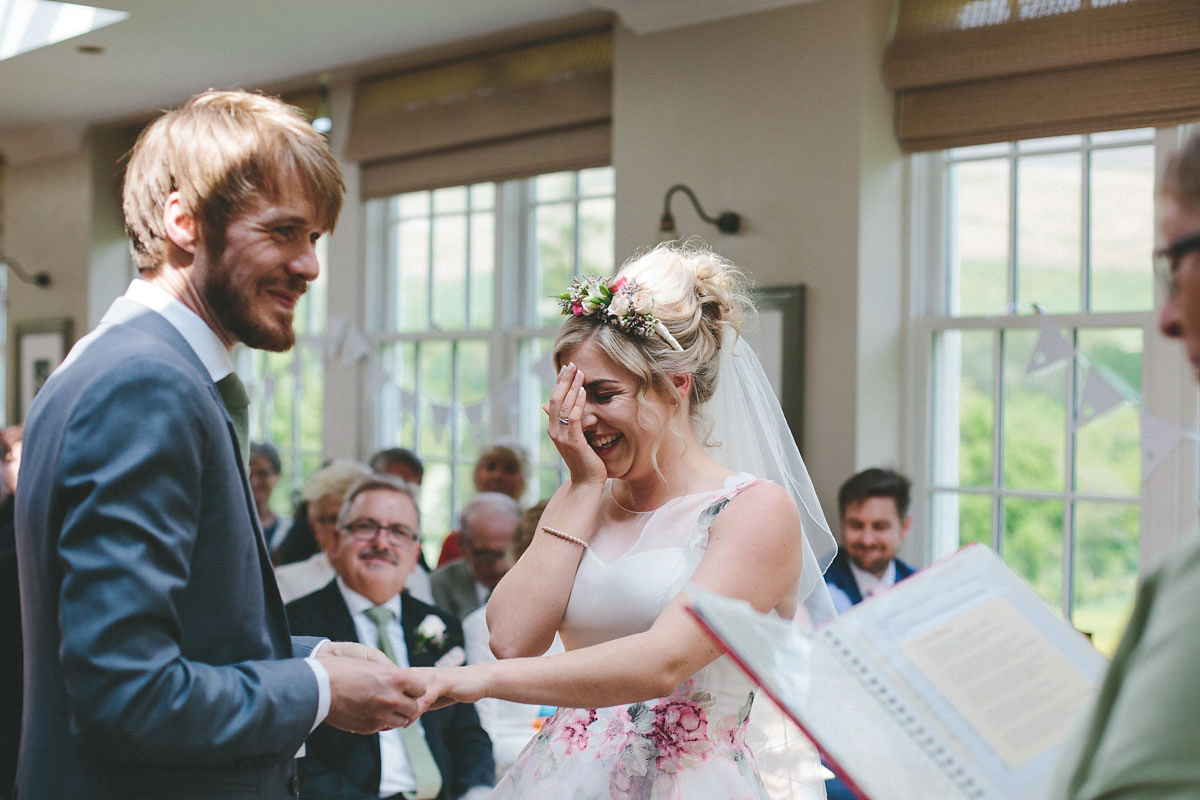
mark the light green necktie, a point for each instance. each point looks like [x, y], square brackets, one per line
[425, 769]
[237, 403]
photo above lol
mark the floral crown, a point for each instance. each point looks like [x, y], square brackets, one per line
[622, 303]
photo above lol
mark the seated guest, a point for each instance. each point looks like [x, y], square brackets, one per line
[499, 468]
[322, 494]
[510, 725]
[874, 514]
[446, 753]
[488, 523]
[265, 467]
[873, 507]
[10, 613]
[398, 461]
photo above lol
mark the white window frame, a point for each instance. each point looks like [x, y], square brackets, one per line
[1169, 497]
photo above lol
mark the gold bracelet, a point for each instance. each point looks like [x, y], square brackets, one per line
[565, 536]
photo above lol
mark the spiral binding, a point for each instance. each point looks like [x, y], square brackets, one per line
[859, 668]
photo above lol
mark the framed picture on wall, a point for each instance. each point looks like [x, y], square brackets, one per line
[41, 345]
[778, 340]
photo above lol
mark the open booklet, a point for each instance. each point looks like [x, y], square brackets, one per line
[959, 682]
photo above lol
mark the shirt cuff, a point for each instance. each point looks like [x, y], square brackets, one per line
[324, 693]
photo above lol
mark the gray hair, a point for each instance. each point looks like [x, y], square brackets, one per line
[487, 503]
[377, 482]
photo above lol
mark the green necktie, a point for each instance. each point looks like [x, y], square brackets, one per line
[237, 403]
[425, 769]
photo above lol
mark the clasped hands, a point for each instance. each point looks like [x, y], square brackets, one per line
[370, 694]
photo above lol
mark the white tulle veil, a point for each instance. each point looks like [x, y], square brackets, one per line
[750, 434]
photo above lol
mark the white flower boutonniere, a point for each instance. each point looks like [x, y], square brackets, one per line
[431, 633]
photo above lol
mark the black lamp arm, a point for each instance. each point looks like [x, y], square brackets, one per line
[41, 279]
[726, 221]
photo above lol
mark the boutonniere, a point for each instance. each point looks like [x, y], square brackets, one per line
[431, 633]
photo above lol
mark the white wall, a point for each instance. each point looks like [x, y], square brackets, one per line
[782, 117]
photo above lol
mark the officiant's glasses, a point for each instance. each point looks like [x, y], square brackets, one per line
[1167, 260]
[366, 529]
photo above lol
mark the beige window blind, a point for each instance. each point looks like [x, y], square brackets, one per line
[976, 71]
[512, 111]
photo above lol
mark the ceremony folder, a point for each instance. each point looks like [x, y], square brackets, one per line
[958, 682]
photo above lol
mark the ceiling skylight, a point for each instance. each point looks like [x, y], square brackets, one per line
[29, 24]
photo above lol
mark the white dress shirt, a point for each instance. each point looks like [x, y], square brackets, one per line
[395, 771]
[868, 584]
[218, 361]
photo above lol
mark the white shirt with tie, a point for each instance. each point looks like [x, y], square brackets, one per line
[395, 771]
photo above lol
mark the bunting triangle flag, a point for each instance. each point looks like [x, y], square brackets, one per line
[1051, 348]
[1099, 396]
[1159, 439]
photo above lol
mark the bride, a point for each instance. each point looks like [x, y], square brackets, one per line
[681, 470]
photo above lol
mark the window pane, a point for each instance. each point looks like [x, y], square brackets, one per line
[474, 380]
[1032, 544]
[452, 199]
[596, 237]
[980, 150]
[978, 229]
[1117, 137]
[555, 230]
[1035, 418]
[1108, 447]
[968, 516]
[483, 269]
[1106, 567]
[1049, 232]
[1122, 229]
[598, 181]
[555, 186]
[436, 514]
[1048, 143]
[411, 289]
[450, 273]
[964, 409]
[397, 399]
[435, 363]
[483, 196]
[413, 204]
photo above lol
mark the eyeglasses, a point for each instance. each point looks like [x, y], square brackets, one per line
[483, 554]
[364, 530]
[1167, 260]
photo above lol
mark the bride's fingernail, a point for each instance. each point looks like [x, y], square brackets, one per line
[563, 369]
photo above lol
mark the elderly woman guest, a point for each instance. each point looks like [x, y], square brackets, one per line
[648, 364]
[500, 468]
[1141, 740]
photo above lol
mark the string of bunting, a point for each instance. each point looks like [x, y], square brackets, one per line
[1102, 392]
[344, 343]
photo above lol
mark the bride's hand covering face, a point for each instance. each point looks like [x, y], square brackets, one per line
[565, 410]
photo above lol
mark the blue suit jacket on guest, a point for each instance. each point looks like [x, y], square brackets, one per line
[346, 766]
[839, 575]
[158, 658]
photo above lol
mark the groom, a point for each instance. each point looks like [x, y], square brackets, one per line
[158, 659]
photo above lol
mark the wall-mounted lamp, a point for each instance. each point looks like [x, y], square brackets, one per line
[726, 221]
[40, 279]
[322, 122]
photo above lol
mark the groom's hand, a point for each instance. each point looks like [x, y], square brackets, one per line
[367, 696]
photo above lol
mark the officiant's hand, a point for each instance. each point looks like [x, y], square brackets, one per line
[565, 409]
[445, 686]
[368, 696]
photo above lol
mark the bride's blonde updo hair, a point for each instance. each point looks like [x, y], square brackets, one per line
[697, 295]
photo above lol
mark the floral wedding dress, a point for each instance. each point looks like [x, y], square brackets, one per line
[690, 745]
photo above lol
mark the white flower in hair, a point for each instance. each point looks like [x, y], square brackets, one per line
[642, 302]
[622, 304]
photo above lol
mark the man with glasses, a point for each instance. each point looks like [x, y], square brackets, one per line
[446, 754]
[489, 521]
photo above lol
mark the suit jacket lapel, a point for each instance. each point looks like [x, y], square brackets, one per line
[124, 311]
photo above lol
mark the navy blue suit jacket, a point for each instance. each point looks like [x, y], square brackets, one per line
[346, 766]
[158, 660]
[839, 575]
